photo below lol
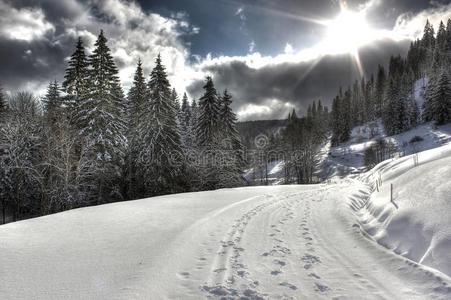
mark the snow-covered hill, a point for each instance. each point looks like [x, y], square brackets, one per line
[275, 242]
[278, 242]
[417, 223]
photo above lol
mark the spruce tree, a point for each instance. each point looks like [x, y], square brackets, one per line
[440, 48]
[448, 44]
[228, 125]
[159, 135]
[75, 82]
[102, 122]
[137, 97]
[230, 172]
[379, 91]
[3, 105]
[427, 45]
[52, 102]
[207, 128]
[186, 128]
[438, 104]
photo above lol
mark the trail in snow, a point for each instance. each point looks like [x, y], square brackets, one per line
[287, 242]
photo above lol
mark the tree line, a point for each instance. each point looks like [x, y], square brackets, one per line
[390, 94]
[88, 143]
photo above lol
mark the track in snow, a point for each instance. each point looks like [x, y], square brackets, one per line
[296, 246]
[285, 242]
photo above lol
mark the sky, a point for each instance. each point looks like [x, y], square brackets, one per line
[273, 56]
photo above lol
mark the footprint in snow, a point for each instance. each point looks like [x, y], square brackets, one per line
[321, 287]
[288, 285]
[314, 275]
[280, 262]
[183, 275]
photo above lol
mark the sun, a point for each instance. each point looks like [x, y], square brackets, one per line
[346, 33]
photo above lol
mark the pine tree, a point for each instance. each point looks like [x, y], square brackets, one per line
[427, 45]
[448, 44]
[3, 105]
[228, 126]
[379, 91]
[440, 48]
[52, 102]
[101, 119]
[186, 128]
[194, 109]
[207, 128]
[160, 136]
[76, 79]
[438, 102]
[175, 100]
[232, 148]
[391, 100]
[137, 97]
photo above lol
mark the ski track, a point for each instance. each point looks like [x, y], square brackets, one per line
[285, 242]
[300, 255]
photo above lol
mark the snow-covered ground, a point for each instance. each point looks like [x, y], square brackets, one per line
[277, 242]
[348, 158]
[418, 224]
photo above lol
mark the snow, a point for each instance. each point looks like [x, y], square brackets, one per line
[420, 228]
[341, 240]
[275, 242]
[418, 91]
[347, 159]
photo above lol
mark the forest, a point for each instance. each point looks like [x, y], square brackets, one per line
[87, 143]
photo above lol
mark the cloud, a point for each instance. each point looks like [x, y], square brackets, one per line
[411, 25]
[264, 84]
[264, 89]
[270, 86]
[48, 33]
[25, 24]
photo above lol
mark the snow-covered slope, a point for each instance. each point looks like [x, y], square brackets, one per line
[278, 242]
[418, 224]
[348, 158]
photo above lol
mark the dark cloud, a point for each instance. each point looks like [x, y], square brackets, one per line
[295, 84]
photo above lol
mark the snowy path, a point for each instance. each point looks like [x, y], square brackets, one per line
[286, 242]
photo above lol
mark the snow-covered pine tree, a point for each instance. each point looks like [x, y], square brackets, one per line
[193, 121]
[391, 100]
[379, 91]
[207, 128]
[3, 105]
[137, 97]
[228, 129]
[186, 128]
[438, 101]
[75, 82]
[335, 121]
[440, 48]
[345, 117]
[102, 123]
[52, 103]
[159, 135]
[427, 46]
[175, 99]
[448, 44]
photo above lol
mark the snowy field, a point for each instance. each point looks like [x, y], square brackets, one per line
[277, 242]
[417, 224]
